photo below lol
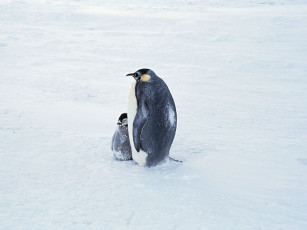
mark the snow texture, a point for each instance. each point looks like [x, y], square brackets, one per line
[237, 72]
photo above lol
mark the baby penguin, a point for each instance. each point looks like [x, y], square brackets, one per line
[120, 142]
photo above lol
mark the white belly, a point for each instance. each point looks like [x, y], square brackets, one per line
[138, 157]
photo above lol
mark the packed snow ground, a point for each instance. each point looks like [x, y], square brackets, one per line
[237, 71]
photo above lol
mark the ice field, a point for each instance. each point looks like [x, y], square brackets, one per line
[237, 71]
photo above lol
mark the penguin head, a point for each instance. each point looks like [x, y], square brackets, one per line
[122, 120]
[143, 75]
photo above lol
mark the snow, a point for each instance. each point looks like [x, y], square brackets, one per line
[237, 72]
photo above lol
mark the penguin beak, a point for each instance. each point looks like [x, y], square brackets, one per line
[134, 75]
[119, 123]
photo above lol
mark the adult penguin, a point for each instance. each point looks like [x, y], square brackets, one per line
[152, 118]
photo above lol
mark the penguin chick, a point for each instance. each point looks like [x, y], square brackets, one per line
[120, 142]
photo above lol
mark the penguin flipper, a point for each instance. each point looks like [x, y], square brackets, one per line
[140, 120]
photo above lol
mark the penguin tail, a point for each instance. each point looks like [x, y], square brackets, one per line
[175, 160]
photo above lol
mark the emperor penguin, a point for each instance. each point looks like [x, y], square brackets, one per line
[152, 118]
[120, 142]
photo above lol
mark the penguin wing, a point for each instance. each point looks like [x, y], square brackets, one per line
[139, 122]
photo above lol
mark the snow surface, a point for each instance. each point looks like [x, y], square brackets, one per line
[237, 71]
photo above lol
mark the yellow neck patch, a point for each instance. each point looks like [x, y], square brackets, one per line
[145, 77]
